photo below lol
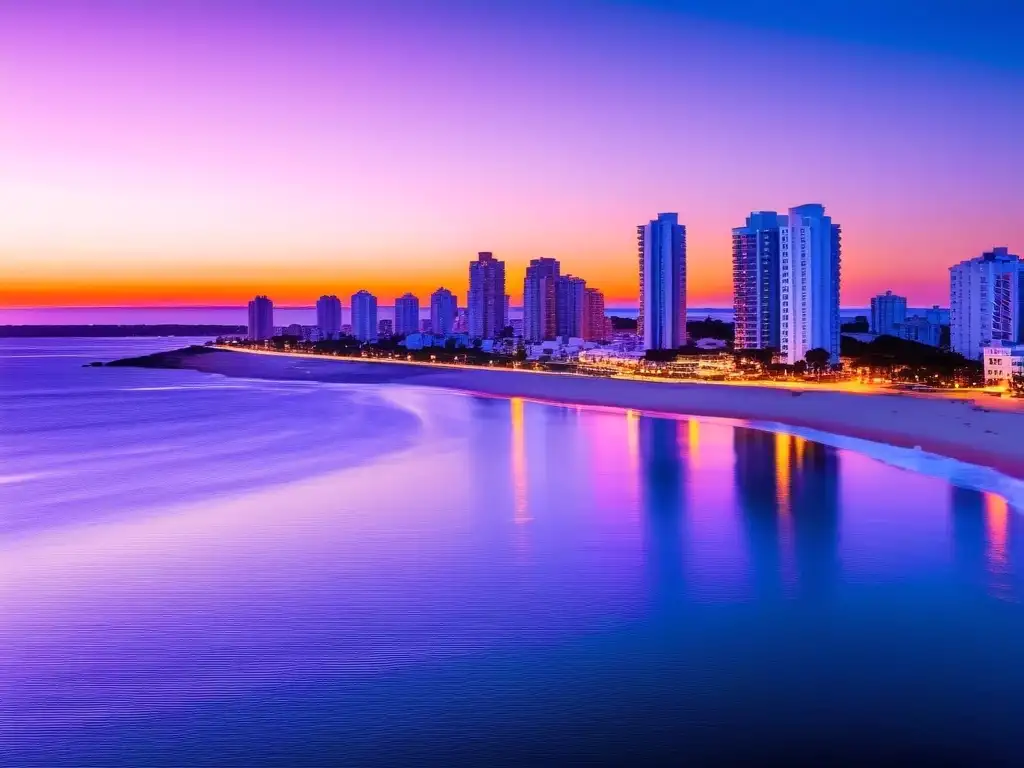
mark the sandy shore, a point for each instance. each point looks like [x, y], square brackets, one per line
[982, 433]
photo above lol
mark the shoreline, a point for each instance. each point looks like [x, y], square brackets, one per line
[950, 426]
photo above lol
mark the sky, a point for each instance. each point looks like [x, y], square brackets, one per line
[200, 152]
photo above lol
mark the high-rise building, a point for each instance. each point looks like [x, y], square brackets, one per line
[540, 321]
[570, 306]
[986, 294]
[443, 309]
[385, 329]
[887, 312]
[755, 281]
[486, 296]
[661, 248]
[809, 260]
[924, 330]
[505, 319]
[595, 324]
[407, 315]
[261, 319]
[328, 316]
[364, 316]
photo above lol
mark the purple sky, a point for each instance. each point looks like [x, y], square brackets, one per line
[198, 152]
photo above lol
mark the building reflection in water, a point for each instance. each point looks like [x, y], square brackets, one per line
[788, 488]
[519, 492]
[663, 476]
[981, 540]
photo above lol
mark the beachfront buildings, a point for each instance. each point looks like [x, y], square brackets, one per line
[924, 330]
[540, 321]
[595, 324]
[985, 296]
[887, 312]
[570, 306]
[486, 297]
[328, 316]
[809, 266]
[261, 319]
[407, 315]
[755, 281]
[364, 316]
[1002, 362]
[661, 253]
[443, 308]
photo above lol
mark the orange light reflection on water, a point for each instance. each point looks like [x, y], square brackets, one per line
[997, 559]
[522, 514]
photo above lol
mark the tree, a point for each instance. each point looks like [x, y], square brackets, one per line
[762, 356]
[623, 323]
[817, 359]
[1017, 384]
[709, 328]
[858, 325]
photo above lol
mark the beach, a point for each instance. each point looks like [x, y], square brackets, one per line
[982, 430]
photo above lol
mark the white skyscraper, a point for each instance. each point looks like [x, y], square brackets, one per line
[261, 319]
[809, 259]
[328, 316]
[407, 315]
[661, 247]
[986, 295]
[364, 316]
[442, 311]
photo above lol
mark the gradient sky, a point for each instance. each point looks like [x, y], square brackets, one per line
[198, 152]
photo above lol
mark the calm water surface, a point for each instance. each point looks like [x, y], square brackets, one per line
[203, 571]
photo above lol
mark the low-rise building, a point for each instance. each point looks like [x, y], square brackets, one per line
[610, 359]
[696, 366]
[711, 344]
[427, 340]
[1002, 362]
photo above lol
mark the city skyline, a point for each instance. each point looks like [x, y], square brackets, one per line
[182, 159]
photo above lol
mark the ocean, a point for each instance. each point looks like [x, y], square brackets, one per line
[197, 570]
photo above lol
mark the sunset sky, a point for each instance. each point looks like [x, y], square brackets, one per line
[201, 151]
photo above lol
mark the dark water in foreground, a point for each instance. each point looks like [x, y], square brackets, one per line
[197, 571]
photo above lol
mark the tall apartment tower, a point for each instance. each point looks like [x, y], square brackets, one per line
[809, 260]
[364, 316]
[986, 302]
[486, 297]
[570, 306]
[540, 320]
[888, 311]
[595, 324]
[661, 250]
[407, 315]
[261, 319]
[328, 316]
[442, 311]
[755, 281]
